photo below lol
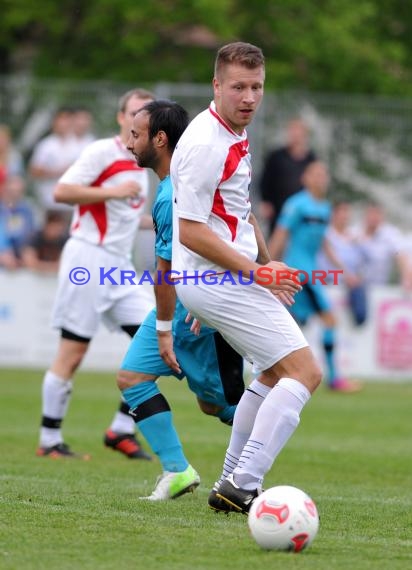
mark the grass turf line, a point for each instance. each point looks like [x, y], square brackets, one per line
[351, 453]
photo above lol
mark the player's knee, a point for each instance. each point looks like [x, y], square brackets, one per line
[314, 377]
[70, 356]
[124, 380]
[309, 373]
[208, 408]
[69, 363]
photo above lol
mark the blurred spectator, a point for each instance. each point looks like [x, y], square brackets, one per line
[17, 217]
[298, 238]
[44, 251]
[384, 248]
[82, 127]
[347, 248]
[11, 161]
[7, 257]
[51, 157]
[282, 171]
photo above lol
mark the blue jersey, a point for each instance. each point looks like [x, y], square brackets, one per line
[306, 220]
[197, 355]
[162, 219]
[162, 214]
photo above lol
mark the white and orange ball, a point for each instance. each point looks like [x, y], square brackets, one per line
[283, 518]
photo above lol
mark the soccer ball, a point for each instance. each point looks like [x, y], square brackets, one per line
[283, 518]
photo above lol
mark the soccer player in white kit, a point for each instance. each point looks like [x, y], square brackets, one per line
[211, 173]
[108, 191]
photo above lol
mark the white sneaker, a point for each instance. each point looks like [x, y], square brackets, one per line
[171, 485]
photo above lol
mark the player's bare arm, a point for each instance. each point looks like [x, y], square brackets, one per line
[263, 252]
[77, 194]
[277, 242]
[165, 295]
[198, 237]
[146, 222]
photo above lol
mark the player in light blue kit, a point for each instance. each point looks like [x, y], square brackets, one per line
[298, 239]
[205, 359]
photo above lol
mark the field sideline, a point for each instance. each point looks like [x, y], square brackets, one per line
[351, 453]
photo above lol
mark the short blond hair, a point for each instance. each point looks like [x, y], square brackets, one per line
[240, 53]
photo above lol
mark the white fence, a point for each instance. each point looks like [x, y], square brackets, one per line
[365, 140]
[380, 349]
[26, 337]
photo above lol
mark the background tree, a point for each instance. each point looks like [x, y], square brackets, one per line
[362, 46]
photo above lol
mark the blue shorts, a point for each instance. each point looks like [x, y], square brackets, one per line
[312, 300]
[197, 357]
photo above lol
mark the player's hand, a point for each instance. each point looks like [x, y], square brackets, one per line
[277, 276]
[196, 325]
[128, 189]
[284, 297]
[165, 342]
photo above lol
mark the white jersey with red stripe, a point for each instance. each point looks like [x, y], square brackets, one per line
[111, 224]
[210, 172]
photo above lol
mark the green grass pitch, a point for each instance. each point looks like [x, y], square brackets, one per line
[352, 453]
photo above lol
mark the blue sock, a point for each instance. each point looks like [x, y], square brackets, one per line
[226, 415]
[329, 348]
[153, 417]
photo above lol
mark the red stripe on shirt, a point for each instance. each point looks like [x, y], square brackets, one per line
[115, 168]
[236, 152]
[98, 209]
[219, 210]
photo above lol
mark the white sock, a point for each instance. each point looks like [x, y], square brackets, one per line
[56, 394]
[243, 421]
[123, 423]
[276, 420]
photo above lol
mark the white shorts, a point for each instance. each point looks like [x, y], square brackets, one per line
[250, 318]
[80, 308]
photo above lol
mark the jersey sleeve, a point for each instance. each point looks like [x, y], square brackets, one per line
[87, 168]
[162, 218]
[197, 178]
